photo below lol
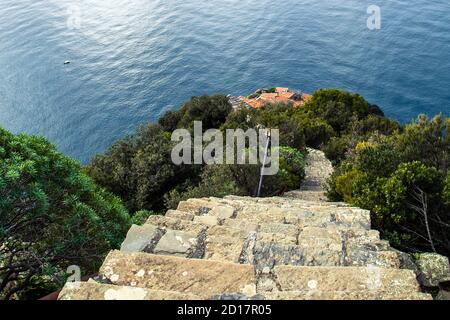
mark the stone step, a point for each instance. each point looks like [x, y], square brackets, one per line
[346, 279]
[307, 195]
[202, 206]
[212, 212]
[182, 215]
[275, 222]
[207, 278]
[343, 295]
[203, 278]
[175, 224]
[281, 200]
[98, 291]
[275, 243]
[307, 218]
[141, 238]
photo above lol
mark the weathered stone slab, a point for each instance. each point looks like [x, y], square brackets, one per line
[222, 212]
[178, 243]
[223, 248]
[364, 247]
[371, 254]
[287, 230]
[141, 238]
[349, 279]
[197, 207]
[307, 195]
[361, 236]
[433, 268]
[98, 291]
[207, 220]
[321, 246]
[269, 254]
[245, 225]
[343, 295]
[357, 217]
[182, 215]
[309, 218]
[279, 238]
[204, 278]
[261, 217]
[224, 243]
[227, 232]
[175, 224]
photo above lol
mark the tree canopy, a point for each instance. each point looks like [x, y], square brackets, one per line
[51, 216]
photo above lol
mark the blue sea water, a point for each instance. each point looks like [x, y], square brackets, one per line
[131, 60]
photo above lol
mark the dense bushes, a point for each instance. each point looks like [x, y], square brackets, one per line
[51, 216]
[403, 179]
[337, 107]
[139, 169]
[222, 180]
[211, 110]
[278, 116]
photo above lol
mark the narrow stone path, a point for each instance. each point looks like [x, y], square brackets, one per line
[317, 171]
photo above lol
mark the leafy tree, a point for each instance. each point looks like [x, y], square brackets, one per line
[446, 192]
[214, 182]
[377, 158]
[169, 121]
[408, 204]
[317, 131]
[401, 175]
[427, 141]
[337, 107]
[337, 148]
[211, 110]
[374, 124]
[140, 217]
[51, 216]
[139, 169]
[275, 116]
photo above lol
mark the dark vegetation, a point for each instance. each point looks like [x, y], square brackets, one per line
[51, 216]
[54, 213]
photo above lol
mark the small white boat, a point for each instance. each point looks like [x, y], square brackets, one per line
[67, 62]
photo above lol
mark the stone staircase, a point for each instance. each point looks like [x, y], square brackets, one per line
[317, 171]
[252, 248]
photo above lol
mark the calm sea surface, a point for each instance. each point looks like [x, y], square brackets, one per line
[133, 60]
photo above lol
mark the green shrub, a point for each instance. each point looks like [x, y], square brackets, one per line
[446, 192]
[215, 182]
[402, 179]
[140, 217]
[211, 110]
[221, 180]
[139, 169]
[51, 216]
[277, 116]
[337, 108]
[317, 132]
